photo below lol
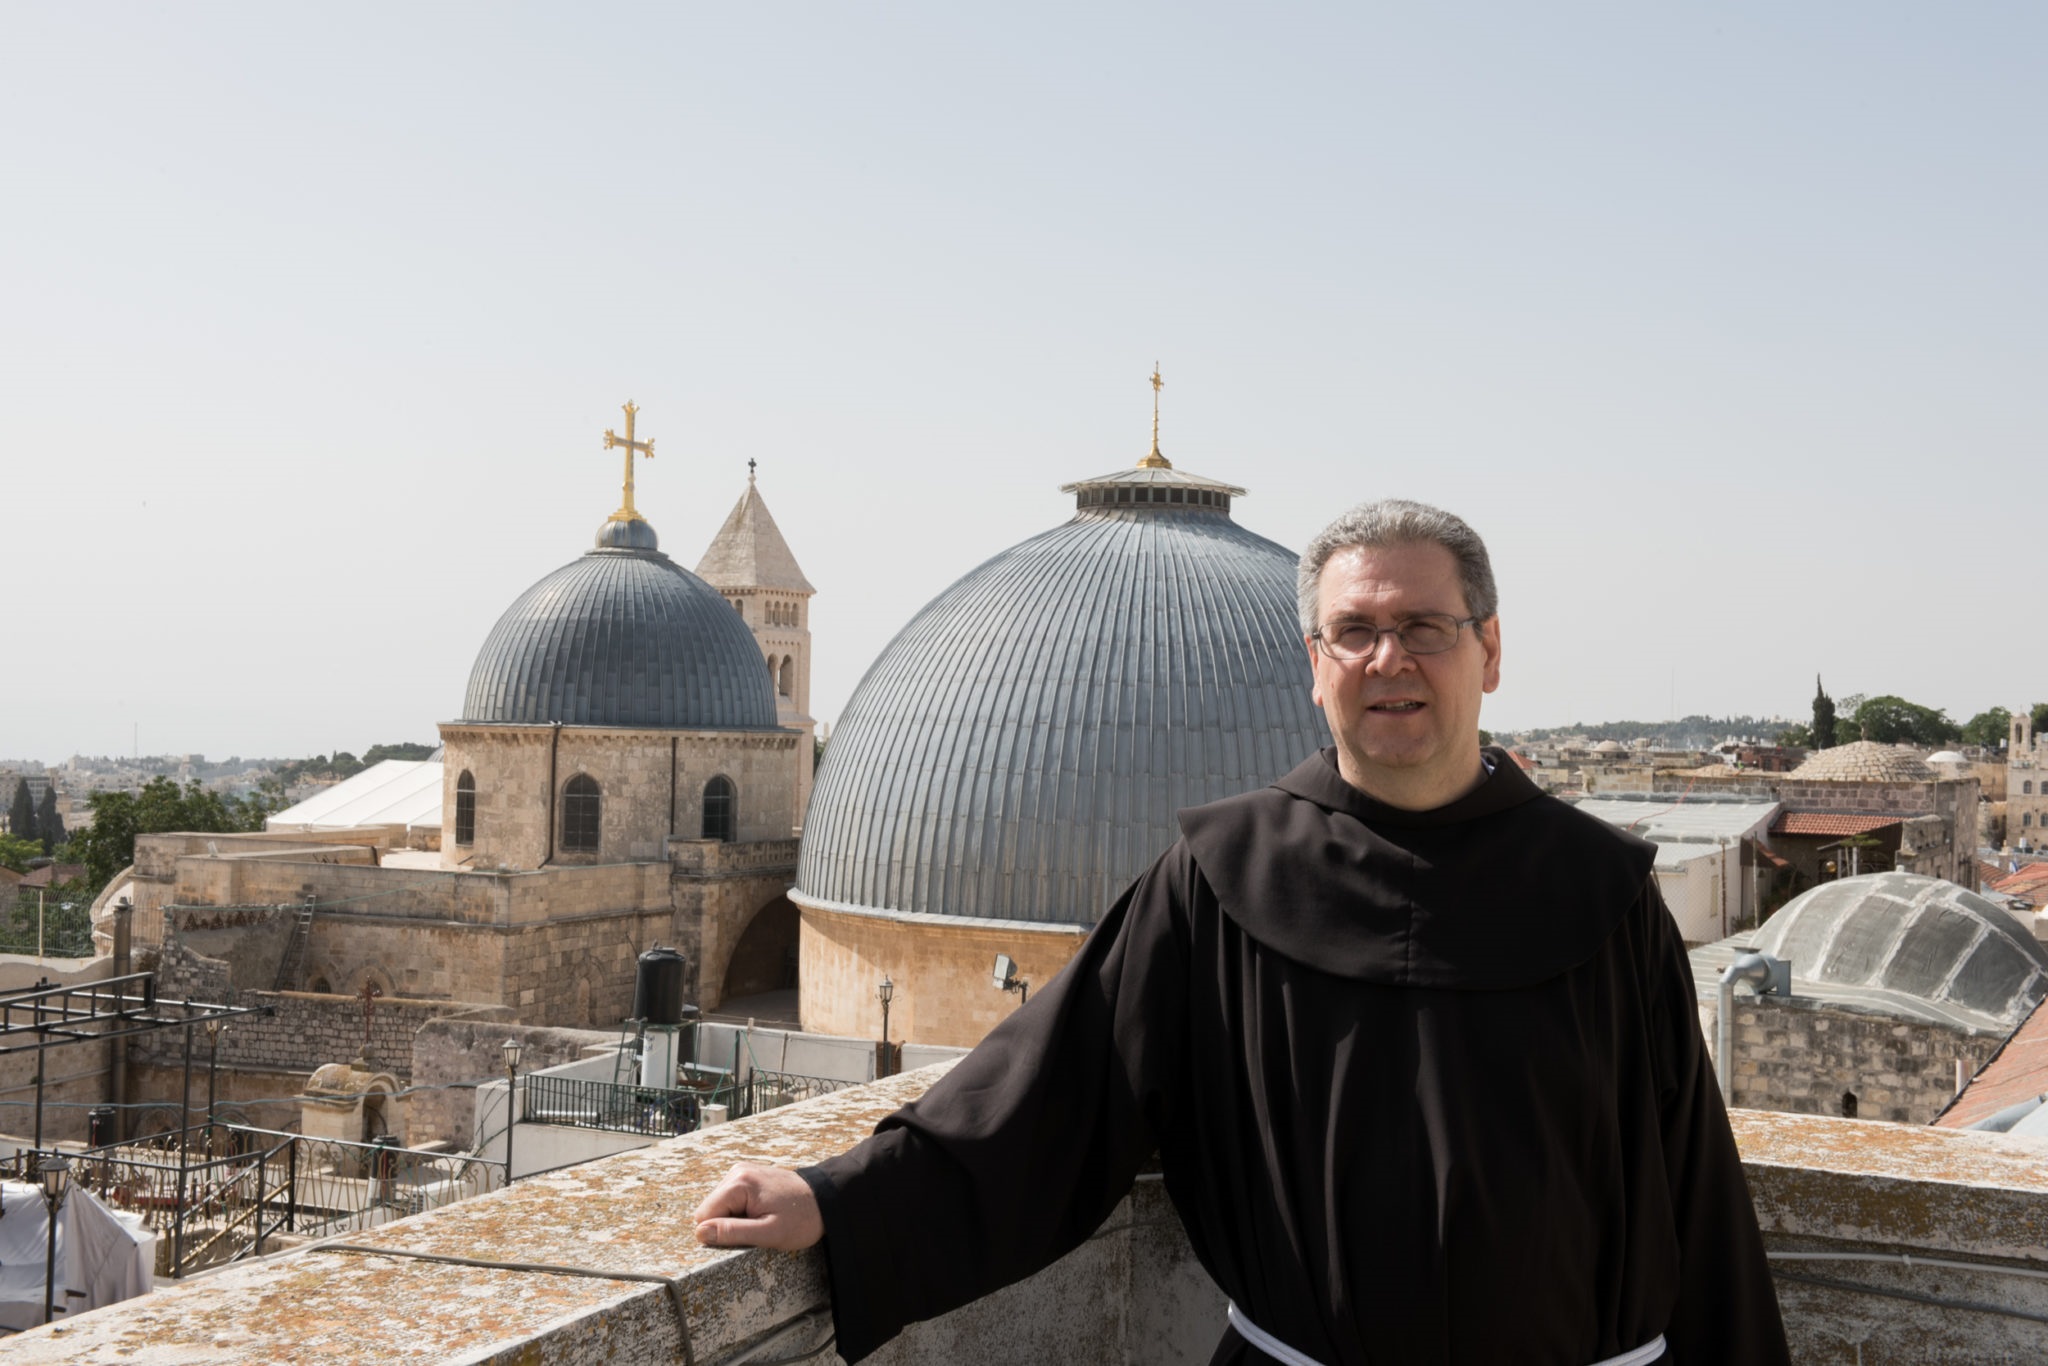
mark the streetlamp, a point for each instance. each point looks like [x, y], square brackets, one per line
[55, 1174]
[213, 1029]
[885, 993]
[511, 1049]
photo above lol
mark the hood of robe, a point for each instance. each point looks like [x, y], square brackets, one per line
[1505, 887]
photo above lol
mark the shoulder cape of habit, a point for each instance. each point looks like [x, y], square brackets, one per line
[1505, 887]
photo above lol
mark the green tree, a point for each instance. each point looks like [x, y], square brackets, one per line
[377, 754]
[21, 816]
[2040, 717]
[1799, 736]
[1822, 732]
[49, 825]
[108, 844]
[1988, 728]
[1893, 720]
[15, 852]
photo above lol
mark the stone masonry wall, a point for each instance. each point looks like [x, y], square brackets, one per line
[651, 784]
[940, 966]
[449, 1056]
[1800, 1058]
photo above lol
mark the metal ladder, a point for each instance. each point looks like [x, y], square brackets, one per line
[295, 950]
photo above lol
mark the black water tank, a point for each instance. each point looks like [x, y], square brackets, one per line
[658, 987]
[99, 1126]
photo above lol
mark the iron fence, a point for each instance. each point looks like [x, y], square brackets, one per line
[618, 1108]
[768, 1090]
[220, 1193]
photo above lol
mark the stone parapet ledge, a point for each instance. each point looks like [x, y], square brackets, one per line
[629, 1213]
[1893, 1245]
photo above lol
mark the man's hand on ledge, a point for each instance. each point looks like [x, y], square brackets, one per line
[760, 1207]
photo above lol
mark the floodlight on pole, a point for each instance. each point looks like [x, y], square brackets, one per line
[1006, 978]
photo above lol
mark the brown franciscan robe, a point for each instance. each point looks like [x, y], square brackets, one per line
[1428, 1088]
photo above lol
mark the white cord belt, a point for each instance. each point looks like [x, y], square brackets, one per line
[1281, 1352]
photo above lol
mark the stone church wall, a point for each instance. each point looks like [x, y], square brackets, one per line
[718, 890]
[941, 968]
[642, 776]
[1800, 1058]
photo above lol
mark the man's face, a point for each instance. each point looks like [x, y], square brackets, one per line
[1406, 726]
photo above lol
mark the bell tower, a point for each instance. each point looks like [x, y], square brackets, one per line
[750, 563]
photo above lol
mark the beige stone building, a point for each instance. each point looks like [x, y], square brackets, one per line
[2026, 785]
[627, 768]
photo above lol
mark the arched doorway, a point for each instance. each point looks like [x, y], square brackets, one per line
[765, 958]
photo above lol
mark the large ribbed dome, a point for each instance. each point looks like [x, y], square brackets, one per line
[1019, 751]
[623, 636]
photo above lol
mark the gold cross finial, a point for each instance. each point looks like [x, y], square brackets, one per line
[1155, 461]
[626, 512]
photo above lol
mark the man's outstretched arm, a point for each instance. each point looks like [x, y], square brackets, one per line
[760, 1207]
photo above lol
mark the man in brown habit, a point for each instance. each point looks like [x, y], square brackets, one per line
[1415, 1043]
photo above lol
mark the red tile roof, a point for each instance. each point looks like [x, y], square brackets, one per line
[1825, 823]
[2031, 878]
[51, 874]
[2017, 1072]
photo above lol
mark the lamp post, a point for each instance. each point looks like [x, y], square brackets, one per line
[885, 993]
[511, 1049]
[213, 1029]
[55, 1174]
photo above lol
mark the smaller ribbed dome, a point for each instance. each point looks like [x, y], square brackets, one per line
[1917, 935]
[621, 636]
[1865, 761]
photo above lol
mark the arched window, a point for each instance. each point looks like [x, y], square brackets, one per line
[2026, 819]
[771, 671]
[1848, 1105]
[465, 809]
[2027, 788]
[580, 810]
[721, 810]
[788, 685]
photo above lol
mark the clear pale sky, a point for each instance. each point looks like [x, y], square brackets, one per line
[1726, 328]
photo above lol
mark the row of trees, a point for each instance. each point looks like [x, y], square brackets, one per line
[39, 823]
[342, 764]
[108, 845]
[1892, 720]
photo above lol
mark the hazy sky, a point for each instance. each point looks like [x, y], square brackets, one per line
[1727, 329]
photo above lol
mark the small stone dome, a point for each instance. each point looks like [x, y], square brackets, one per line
[1865, 761]
[1609, 747]
[1020, 750]
[622, 636]
[1946, 756]
[1918, 935]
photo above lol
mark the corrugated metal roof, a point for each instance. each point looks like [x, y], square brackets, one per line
[1151, 476]
[1020, 749]
[621, 637]
[1667, 817]
[394, 792]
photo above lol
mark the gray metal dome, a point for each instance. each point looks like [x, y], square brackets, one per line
[623, 636]
[1019, 750]
[1920, 936]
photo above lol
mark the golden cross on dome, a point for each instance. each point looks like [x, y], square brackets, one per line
[1155, 461]
[626, 512]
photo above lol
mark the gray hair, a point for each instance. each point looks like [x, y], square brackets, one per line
[1391, 522]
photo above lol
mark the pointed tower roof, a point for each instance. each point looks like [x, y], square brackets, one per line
[749, 552]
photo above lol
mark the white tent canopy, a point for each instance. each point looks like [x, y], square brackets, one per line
[403, 792]
[102, 1257]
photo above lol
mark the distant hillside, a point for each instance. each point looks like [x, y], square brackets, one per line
[1691, 732]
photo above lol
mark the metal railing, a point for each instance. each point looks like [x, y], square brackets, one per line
[768, 1090]
[624, 1109]
[219, 1193]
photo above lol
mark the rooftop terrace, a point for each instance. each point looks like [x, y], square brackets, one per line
[1893, 1244]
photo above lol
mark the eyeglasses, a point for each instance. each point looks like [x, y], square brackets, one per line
[1429, 634]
